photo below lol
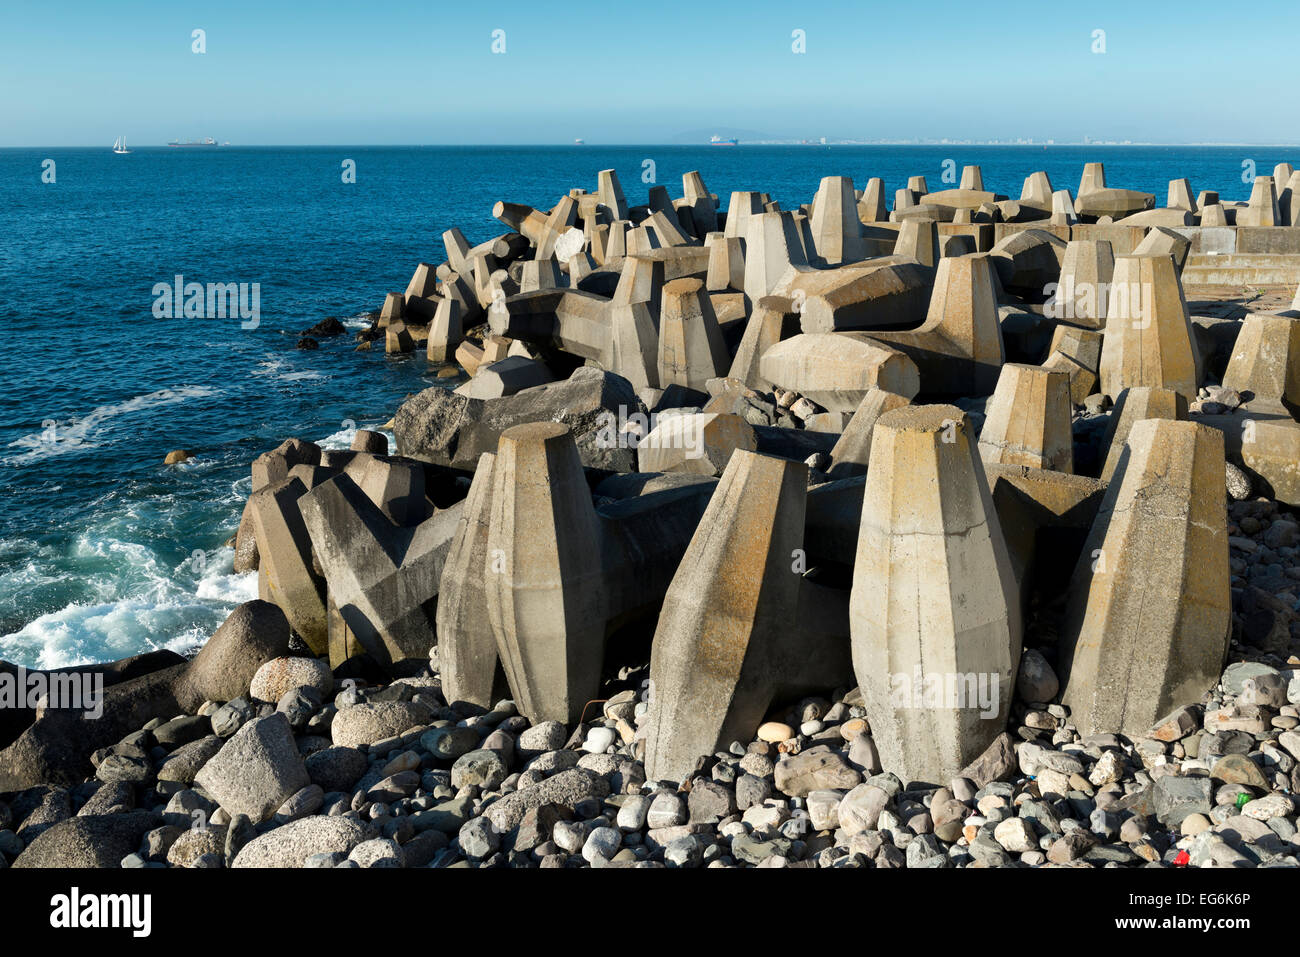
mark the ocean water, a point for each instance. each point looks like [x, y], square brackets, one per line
[106, 552]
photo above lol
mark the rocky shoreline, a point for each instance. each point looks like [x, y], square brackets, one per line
[836, 537]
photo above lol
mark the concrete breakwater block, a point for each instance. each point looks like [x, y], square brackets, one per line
[1149, 619]
[935, 608]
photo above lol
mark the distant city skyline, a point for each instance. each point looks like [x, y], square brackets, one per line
[81, 73]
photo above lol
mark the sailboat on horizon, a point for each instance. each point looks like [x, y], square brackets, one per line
[119, 145]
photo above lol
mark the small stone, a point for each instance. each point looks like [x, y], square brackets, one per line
[774, 732]
[1015, 835]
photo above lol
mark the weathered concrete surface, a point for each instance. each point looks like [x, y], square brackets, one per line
[691, 349]
[836, 229]
[852, 453]
[1270, 450]
[545, 602]
[959, 349]
[1148, 623]
[1080, 296]
[382, 577]
[701, 443]
[1132, 406]
[881, 293]
[723, 649]
[934, 597]
[467, 649]
[836, 370]
[1028, 420]
[286, 575]
[1265, 364]
[1148, 339]
[1077, 353]
[1029, 260]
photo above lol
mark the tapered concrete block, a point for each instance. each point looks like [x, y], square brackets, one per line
[852, 453]
[665, 230]
[691, 348]
[1082, 290]
[522, 219]
[1270, 450]
[1214, 215]
[1063, 211]
[1038, 189]
[741, 207]
[918, 241]
[1077, 353]
[392, 310]
[1262, 210]
[545, 604]
[445, 332]
[971, 178]
[934, 611]
[467, 649]
[1029, 261]
[286, 574]
[765, 327]
[1148, 339]
[1289, 200]
[1096, 199]
[773, 249]
[1163, 241]
[1180, 195]
[836, 229]
[1132, 406]
[540, 274]
[871, 207]
[424, 282]
[703, 206]
[724, 650]
[700, 443]
[959, 349]
[505, 377]
[726, 265]
[881, 293]
[837, 370]
[1148, 624]
[609, 193]
[1265, 364]
[634, 345]
[1028, 420]
[382, 577]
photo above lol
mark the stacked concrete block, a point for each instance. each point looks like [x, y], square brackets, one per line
[724, 650]
[871, 207]
[837, 370]
[851, 455]
[691, 348]
[1149, 619]
[918, 241]
[700, 443]
[1096, 199]
[1132, 406]
[1077, 353]
[1148, 339]
[445, 331]
[959, 349]
[934, 610]
[1163, 241]
[1028, 420]
[1082, 291]
[1265, 364]
[836, 228]
[1262, 210]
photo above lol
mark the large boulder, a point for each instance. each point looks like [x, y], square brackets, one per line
[95, 840]
[257, 770]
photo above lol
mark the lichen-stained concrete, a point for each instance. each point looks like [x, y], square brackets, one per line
[1148, 339]
[935, 608]
[1028, 420]
[725, 647]
[1149, 618]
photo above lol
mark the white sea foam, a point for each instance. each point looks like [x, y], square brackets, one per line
[84, 432]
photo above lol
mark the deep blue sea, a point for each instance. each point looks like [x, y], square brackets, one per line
[106, 552]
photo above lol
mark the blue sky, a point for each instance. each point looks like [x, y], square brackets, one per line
[327, 72]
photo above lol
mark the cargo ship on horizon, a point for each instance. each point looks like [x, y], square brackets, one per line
[206, 141]
[719, 141]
